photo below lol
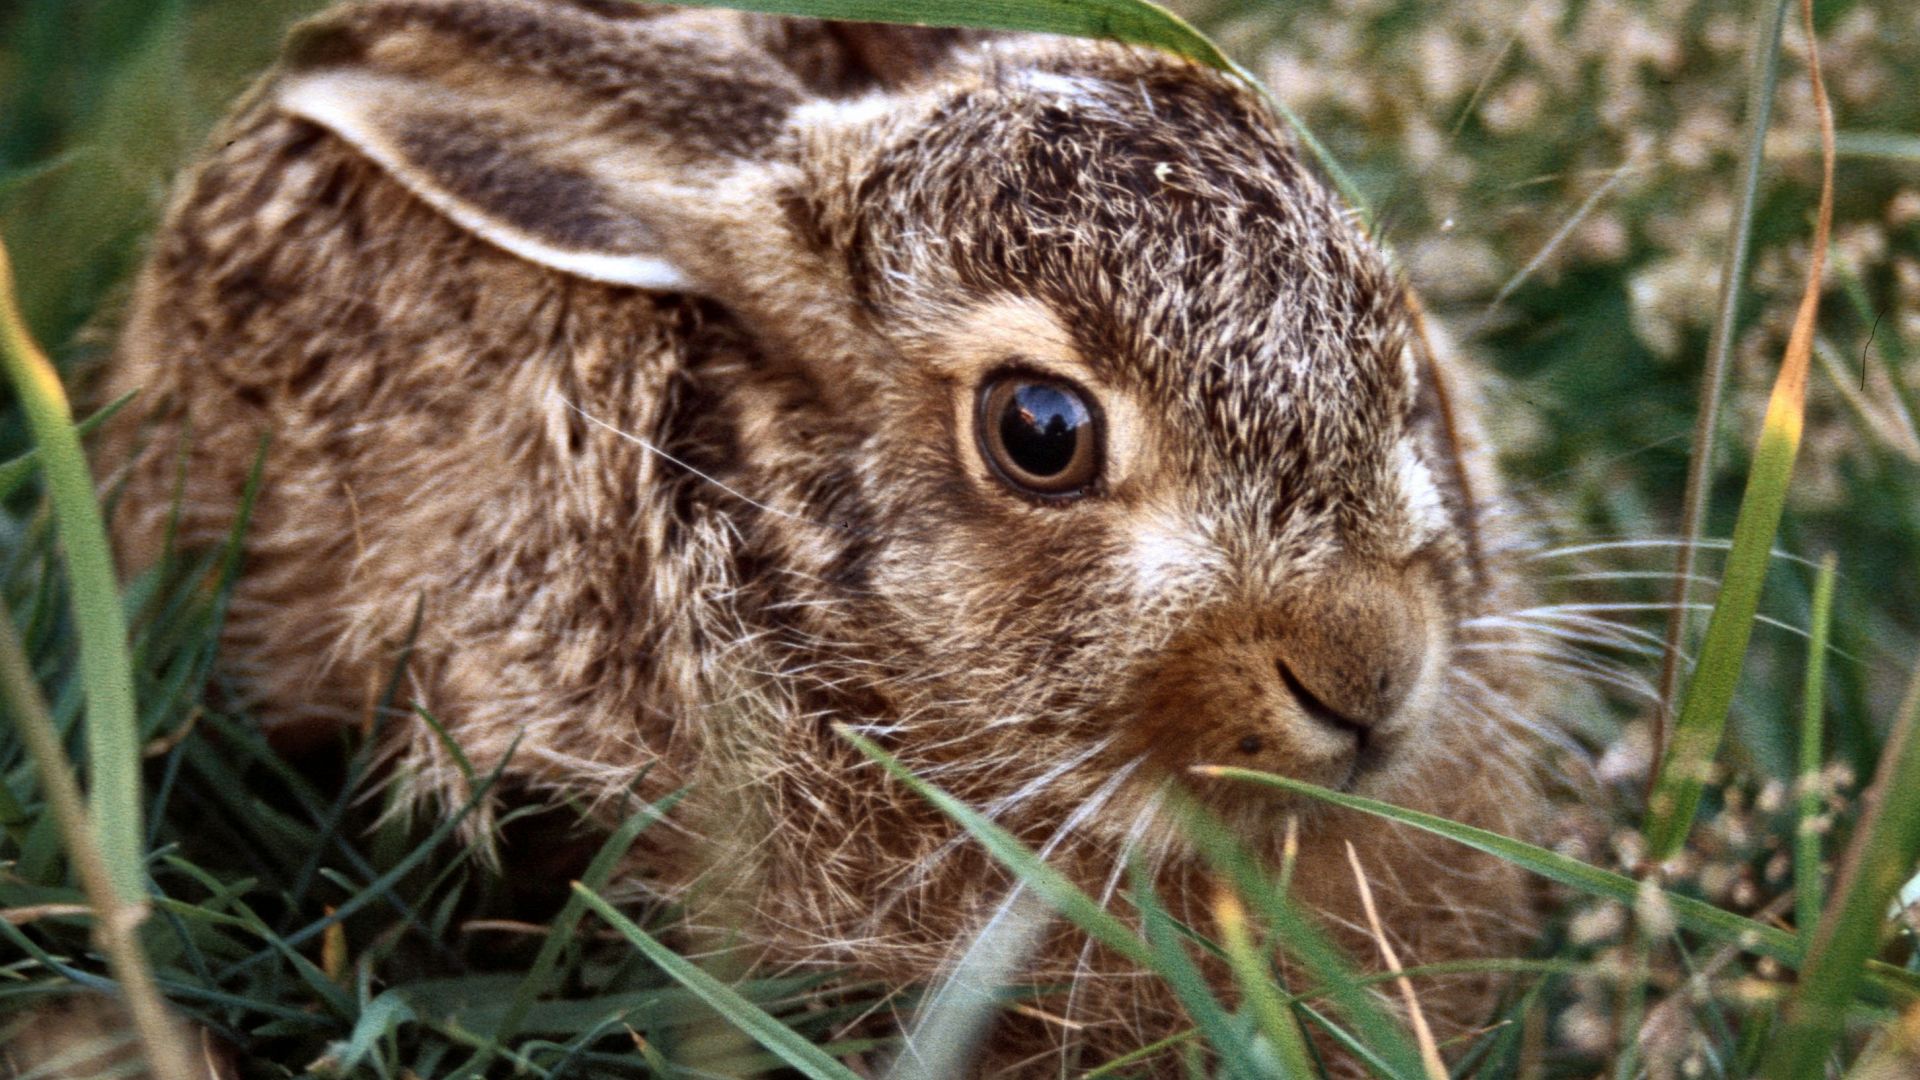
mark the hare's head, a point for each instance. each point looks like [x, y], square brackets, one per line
[1077, 433]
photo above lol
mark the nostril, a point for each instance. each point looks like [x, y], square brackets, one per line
[1318, 709]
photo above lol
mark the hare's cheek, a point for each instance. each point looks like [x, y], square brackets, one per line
[1162, 557]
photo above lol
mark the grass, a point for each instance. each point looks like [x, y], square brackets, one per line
[317, 931]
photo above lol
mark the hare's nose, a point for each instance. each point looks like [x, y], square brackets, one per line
[1357, 713]
[1350, 661]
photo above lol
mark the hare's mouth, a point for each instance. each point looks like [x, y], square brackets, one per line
[1276, 724]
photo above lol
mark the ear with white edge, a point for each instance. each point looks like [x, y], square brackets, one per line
[607, 147]
[491, 175]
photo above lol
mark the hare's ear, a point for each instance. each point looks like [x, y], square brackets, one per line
[894, 56]
[490, 174]
[591, 145]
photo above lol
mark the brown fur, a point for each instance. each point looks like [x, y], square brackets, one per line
[678, 531]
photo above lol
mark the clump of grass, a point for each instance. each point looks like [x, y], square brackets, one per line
[313, 930]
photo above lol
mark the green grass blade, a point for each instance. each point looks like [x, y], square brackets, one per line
[769, 1032]
[1713, 381]
[1703, 711]
[1234, 1051]
[1884, 848]
[379, 887]
[1135, 22]
[1392, 1052]
[17, 471]
[1304, 940]
[113, 750]
[1884, 145]
[1046, 882]
[1258, 989]
[1806, 843]
[1132, 21]
[540, 977]
[1695, 915]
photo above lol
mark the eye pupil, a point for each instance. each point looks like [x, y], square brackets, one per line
[1040, 428]
[1040, 435]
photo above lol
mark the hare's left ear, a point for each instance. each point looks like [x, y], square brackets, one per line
[490, 176]
[610, 148]
[1445, 422]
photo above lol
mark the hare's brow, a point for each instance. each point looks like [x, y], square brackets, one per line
[714, 480]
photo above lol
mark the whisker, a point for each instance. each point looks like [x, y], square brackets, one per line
[1628, 575]
[691, 470]
[1580, 629]
[1709, 544]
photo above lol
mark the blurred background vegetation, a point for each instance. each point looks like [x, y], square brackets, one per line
[1557, 178]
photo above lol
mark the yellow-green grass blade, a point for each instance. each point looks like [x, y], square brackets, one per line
[1228, 1038]
[113, 751]
[768, 1031]
[1806, 842]
[1703, 710]
[115, 919]
[1690, 914]
[1713, 381]
[1119, 1065]
[1393, 1052]
[1882, 854]
[1258, 988]
[1135, 22]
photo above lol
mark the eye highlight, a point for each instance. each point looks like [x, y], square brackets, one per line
[1038, 434]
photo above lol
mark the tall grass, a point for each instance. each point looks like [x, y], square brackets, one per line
[310, 932]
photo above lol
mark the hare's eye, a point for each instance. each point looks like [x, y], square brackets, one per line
[1040, 435]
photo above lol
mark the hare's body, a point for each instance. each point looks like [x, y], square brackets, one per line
[640, 352]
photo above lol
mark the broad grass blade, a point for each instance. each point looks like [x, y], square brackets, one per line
[113, 748]
[1133, 21]
[1136, 22]
[1703, 711]
[1885, 145]
[1713, 381]
[782, 1041]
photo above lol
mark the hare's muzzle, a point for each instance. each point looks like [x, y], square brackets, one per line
[1323, 685]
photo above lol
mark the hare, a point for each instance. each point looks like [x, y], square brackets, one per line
[709, 380]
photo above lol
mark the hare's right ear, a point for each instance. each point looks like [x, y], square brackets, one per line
[596, 145]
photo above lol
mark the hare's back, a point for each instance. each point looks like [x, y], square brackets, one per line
[426, 400]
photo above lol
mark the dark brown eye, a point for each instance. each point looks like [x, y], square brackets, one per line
[1039, 434]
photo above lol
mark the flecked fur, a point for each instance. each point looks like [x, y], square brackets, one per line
[670, 536]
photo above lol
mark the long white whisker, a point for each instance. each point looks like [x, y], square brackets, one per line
[669, 458]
